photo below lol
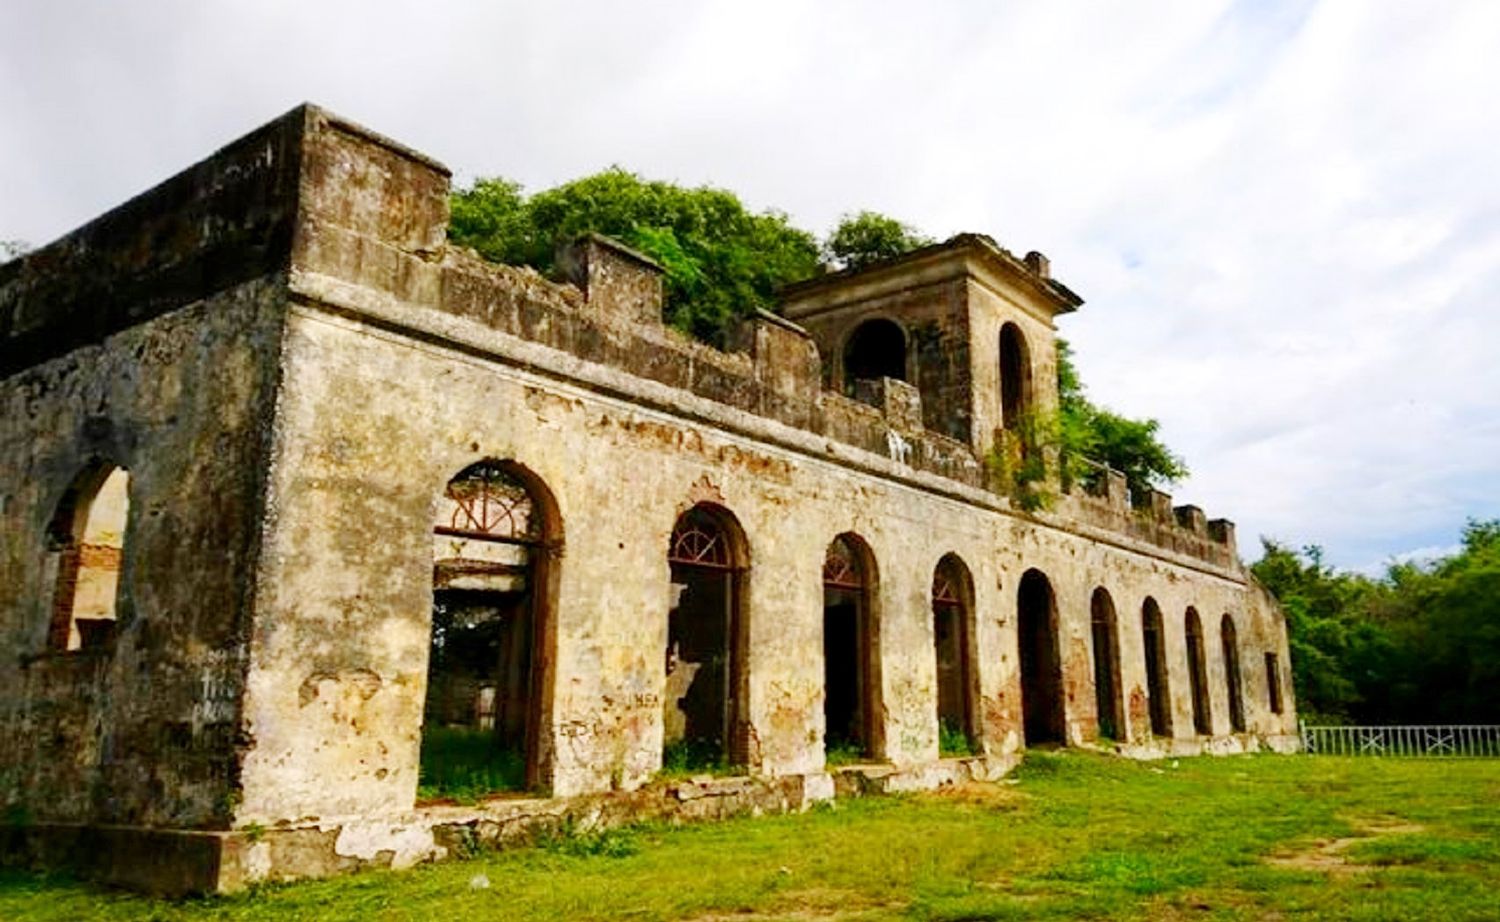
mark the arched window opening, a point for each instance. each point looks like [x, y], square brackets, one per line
[1041, 666]
[849, 662]
[952, 617]
[494, 537]
[88, 539]
[1198, 674]
[1273, 683]
[1108, 703]
[704, 728]
[1015, 377]
[876, 349]
[1157, 688]
[1229, 637]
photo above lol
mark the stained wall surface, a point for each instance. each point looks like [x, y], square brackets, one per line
[356, 489]
[145, 731]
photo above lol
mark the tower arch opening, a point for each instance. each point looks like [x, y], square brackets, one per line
[875, 349]
[1016, 397]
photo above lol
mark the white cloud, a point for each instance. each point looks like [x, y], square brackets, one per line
[1282, 214]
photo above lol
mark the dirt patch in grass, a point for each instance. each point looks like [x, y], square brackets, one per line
[1327, 855]
[987, 794]
[811, 904]
[795, 915]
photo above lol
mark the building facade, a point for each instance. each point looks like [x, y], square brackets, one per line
[277, 461]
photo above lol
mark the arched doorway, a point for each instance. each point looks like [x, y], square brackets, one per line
[1157, 689]
[875, 349]
[1197, 673]
[703, 723]
[1108, 703]
[952, 617]
[495, 537]
[87, 539]
[1015, 377]
[849, 660]
[1229, 637]
[1041, 666]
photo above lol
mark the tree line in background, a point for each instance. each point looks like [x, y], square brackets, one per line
[1419, 644]
[722, 262]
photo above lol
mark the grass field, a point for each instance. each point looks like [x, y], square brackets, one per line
[1071, 835]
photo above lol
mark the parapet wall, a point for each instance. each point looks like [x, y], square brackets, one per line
[224, 221]
[772, 370]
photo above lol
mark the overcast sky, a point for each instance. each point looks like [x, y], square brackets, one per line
[1284, 216]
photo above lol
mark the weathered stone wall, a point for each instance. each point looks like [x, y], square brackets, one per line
[148, 340]
[291, 364]
[374, 425]
[227, 220]
[144, 731]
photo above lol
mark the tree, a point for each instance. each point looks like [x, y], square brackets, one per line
[721, 260]
[10, 249]
[1092, 433]
[1319, 605]
[1418, 645]
[867, 237]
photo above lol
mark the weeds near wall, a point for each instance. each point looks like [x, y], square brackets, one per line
[845, 754]
[576, 842]
[682, 758]
[953, 742]
[465, 765]
[16, 816]
[1017, 464]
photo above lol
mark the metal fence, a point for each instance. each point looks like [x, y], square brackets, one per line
[1473, 741]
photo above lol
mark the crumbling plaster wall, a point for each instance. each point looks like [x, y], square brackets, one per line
[372, 426]
[147, 339]
[143, 732]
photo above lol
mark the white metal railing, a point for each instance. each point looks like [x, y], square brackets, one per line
[1461, 741]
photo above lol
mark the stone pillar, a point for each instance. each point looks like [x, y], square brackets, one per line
[616, 281]
[1191, 518]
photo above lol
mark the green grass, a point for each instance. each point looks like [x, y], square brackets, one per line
[684, 758]
[953, 742]
[844, 753]
[1074, 835]
[465, 765]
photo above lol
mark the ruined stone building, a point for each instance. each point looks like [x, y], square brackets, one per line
[281, 472]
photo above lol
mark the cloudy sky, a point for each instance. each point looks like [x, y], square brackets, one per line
[1284, 216]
